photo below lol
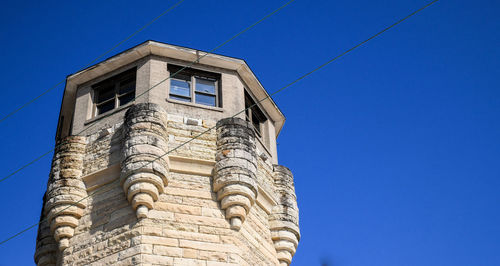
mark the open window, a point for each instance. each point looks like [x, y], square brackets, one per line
[114, 92]
[253, 114]
[194, 86]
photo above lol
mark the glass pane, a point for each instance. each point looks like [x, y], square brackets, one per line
[180, 87]
[180, 98]
[127, 86]
[205, 99]
[105, 107]
[207, 86]
[256, 122]
[124, 99]
[247, 114]
[180, 75]
[105, 93]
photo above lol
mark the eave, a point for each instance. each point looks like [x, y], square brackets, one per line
[171, 51]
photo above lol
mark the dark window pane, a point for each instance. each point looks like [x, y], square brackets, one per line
[256, 124]
[103, 108]
[105, 93]
[121, 87]
[180, 87]
[181, 75]
[127, 86]
[124, 99]
[204, 85]
[247, 114]
[205, 99]
[184, 99]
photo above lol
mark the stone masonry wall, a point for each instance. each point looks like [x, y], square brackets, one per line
[186, 224]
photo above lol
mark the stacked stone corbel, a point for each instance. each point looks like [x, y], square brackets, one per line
[46, 246]
[235, 169]
[144, 168]
[284, 219]
[66, 192]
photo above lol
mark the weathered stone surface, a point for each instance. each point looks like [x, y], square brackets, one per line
[235, 169]
[284, 220]
[153, 214]
[46, 246]
[66, 194]
[144, 165]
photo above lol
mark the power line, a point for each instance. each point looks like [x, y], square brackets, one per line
[300, 78]
[154, 86]
[97, 191]
[198, 59]
[93, 61]
[265, 98]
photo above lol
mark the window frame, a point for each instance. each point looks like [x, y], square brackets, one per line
[195, 74]
[115, 81]
[254, 113]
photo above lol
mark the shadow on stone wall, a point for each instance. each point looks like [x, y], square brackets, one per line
[110, 208]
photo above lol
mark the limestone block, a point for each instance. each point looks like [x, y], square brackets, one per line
[46, 246]
[66, 192]
[144, 168]
[284, 219]
[235, 180]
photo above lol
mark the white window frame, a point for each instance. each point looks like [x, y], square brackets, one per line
[194, 74]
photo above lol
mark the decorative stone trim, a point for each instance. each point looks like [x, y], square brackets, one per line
[66, 190]
[235, 180]
[284, 220]
[145, 166]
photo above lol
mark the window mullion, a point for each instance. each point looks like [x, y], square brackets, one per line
[104, 102]
[193, 88]
[94, 102]
[117, 87]
[206, 93]
[216, 84]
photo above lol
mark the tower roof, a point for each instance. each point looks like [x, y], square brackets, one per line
[171, 51]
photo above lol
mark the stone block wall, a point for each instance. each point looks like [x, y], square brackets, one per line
[192, 197]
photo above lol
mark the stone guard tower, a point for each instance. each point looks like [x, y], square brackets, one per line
[116, 195]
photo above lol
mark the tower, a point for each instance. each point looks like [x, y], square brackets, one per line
[152, 170]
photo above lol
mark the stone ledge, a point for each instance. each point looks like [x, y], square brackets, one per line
[178, 164]
[265, 200]
[218, 109]
[109, 113]
[102, 177]
[185, 165]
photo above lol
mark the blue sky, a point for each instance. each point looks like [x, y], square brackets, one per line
[395, 147]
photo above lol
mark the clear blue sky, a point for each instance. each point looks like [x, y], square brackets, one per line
[395, 148]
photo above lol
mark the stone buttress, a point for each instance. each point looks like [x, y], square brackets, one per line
[66, 192]
[118, 196]
[144, 168]
[235, 180]
[284, 219]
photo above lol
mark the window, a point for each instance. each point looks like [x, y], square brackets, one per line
[253, 114]
[114, 92]
[195, 86]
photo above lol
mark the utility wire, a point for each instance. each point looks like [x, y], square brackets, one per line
[255, 104]
[197, 60]
[154, 86]
[93, 61]
[96, 192]
[299, 78]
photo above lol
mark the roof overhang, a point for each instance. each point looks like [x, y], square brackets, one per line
[176, 52]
